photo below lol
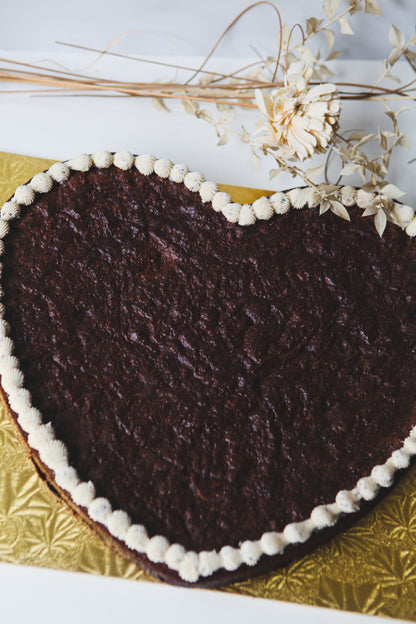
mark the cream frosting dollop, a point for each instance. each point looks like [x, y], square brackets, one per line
[280, 202]
[174, 556]
[232, 212]
[231, 558]
[298, 532]
[193, 181]
[83, 162]
[137, 538]
[299, 197]
[323, 516]
[209, 562]
[119, 523]
[189, 567]
[367, 488]
[100, 510]
[208, 191]
[163, 167]
[59, 172]
[250, 552]
[10, 210]
[41, 183]
[220, 200]
[157, 548]
[123, 160]
[84, 493]
[24, 195]
[263, 208]
[178, 173]
[145, 164]
[247, 216]
[273, 543]
[102, 159]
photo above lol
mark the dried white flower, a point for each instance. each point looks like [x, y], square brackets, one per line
[301, 120]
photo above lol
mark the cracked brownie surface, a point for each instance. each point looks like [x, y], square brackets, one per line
[213, 381]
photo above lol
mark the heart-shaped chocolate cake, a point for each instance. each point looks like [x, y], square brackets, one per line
[215, 396]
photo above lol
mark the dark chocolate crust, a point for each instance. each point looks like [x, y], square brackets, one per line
[213, 381]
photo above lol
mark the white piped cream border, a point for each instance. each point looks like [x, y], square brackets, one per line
[41, 437]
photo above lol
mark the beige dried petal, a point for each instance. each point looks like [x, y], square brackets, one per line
[380, 221]
[298, 117]
[338, 209]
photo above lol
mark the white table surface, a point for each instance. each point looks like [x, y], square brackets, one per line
[51, 597]
[63, 127]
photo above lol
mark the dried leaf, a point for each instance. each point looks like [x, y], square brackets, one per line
[373, 7]
[273, 173]
[409, 54]
[325, 70]
[324, 207]
[330, 6]
[255, 158]
[190, 106]
[365, 139]
[306, 54]
[159, 105]
[393, 77]
[370, 211]
[206, 79]
[396, 37]
[382, 139]
[244, 136]
[338, 209]
[227, 116]
[333, 55]
[403, 141]
[223, 139]
[361, 173]
[393, 56]
[392, 192]
[349, 169]
[315, 172]
[382, 170]
[203, 113]
[283, 35]
[402, 109]
[329, 38]
[328, 188]
[344, 153]
[386, 159]
[369, 187]
[355, 6]
[380, 221]
[356, 135]
[345, 26]
[312, 25]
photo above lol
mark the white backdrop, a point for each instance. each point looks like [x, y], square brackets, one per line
[193, 25]
[62, 127]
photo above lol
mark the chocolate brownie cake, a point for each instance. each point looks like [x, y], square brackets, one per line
[215, 396]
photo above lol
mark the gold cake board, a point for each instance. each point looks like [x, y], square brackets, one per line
[371, 568]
